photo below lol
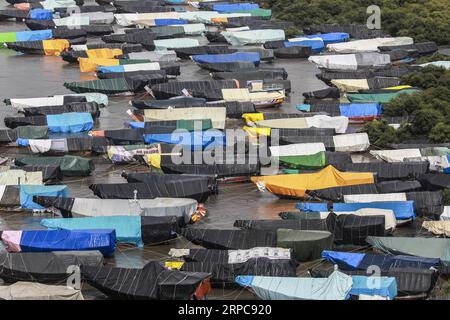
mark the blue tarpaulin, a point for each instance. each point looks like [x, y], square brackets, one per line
[317, 45]
[312, 206]
[103, 240]
[33, 35]
[197, 140]
[169, 22]
[111, 69]
[360, 110]
[128, 228]
[447, 169]
[28, 191]
[374, 286]
[41, 14]
[22, 142]
[403, 210]
[362, 261]
[329, 38]
[235, 7]
[231, 57]
[70, 122]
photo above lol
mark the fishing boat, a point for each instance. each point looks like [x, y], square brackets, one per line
[58, 100]
[152, 282]
[339, 124]
[242, 38]
[115, 86]
[351, 62]
[210, 90]
[103, 240]
[217, 115]
[368, 45]
[45, 47]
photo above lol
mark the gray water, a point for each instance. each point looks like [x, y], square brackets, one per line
[23, 76]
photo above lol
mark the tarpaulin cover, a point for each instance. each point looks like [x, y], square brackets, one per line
[231, 57]
[192, 187]
[300, 149]
[195, 140]
[130, 67]
[435, 181]
[211, 90]
[128, 228]
[20, 177]
[70, 122]
[152, 282]
[361, 261]
[109, 86]
[41, 14]
[422, 247]
[378, 97]
[398, 186]
[402, 209]
[386, 287]
[234, 7]
[25, 36]
[169, 126]
[103, 240]
[217, 115]
[368, 45]
[44, 267]
[38, 291]
[69, 165]
[316, 45]
[27, 193]
[166, 44]
[313, 161]
[224, 274]
[388, 171]
[293, 185]
[336, 287]
[334, 37]
[158, 207]
[339, 124]
[242, 38]
[55, 47]
[351, 61]
[360, 110]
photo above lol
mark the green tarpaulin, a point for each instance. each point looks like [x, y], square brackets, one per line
[378, 97]
[313, 161]
[266, 14]
[32, 132]
[70, 166]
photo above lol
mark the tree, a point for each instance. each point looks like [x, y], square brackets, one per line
[440, 133]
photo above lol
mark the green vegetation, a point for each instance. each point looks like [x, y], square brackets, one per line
[430, 108]
[424, 20]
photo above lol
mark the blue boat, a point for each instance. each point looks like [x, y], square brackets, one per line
[103, 240]
[231, 57]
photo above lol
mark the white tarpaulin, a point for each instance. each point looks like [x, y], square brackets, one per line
[298, 149]
[193, 29]
[155, 56]
[340, 124]
[57, 100]
[130, 19]
[37, 291]
[97, 17]
[198, 16]
[141, 66]
[158, 207]
[358, 198]
[396, 155]
[368, 45]
[353, 142]
[46, 145]
[442, 64]
[257, 97]
[351, 61]
[52, 4]
[15, 177]
[350, 85]
[439, 228]
[444, 216]
[72, 21]
[216, 114]
[242, 38]
[437, 163]
[175, 43]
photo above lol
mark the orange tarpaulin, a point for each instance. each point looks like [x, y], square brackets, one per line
[91, 64]
[104, 53]
[296, 185]
[219, 20]
[55, 47]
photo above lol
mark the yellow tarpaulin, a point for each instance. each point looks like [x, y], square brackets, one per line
[255, 132]
[104, 53]
[253, 117]
[296, 185]
[257, 97]
[284, 123]
[55, 47]
[219, 20]
[398, 88]
[350, 85]
[91, 64]
[174, 264]
[153, 160]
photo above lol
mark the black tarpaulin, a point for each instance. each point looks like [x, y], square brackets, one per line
[152, 282]
[125, 136]
[224, 274]
[14, 122]
[61, 203]
[388, 171]
[229, 66]
[427, 203]
[194, 189]
[210, 90]
[92, 107]
[157, 230]
[435, 181]
[182, 102]
[44, 267]
[279, 74]
[295, 52]
[185, 53]
[398, 186]
[336, 194]
[49, 173]
[329, 93]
